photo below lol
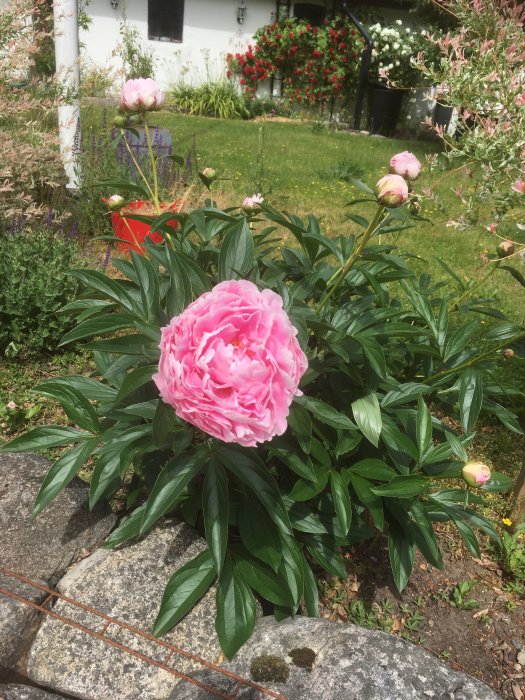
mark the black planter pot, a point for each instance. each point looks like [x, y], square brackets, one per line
[384, 108]
[442, 115]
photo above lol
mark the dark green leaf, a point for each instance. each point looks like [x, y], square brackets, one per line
[184, 589]
[498, 482]
[262, 578]
[61, 473]
[237, 251]
[367, 414]
[77, 408]
[99, 325]
[170, 484]
[374, 354]
[105, 285]
[374, 469]
[424, 535]
[403, 486]
[259, 534]
[134, 380]
[470, 397]
[363, 489]
[325, 413]
[323, 550]
[149, 286]
[250, 471]
[44, 438]
[215, 509]
[236, 610]
[404, 393]
[300, 423]
[341, 499]
[423, 428]
[311, 594]
[402, 553]
[128, 528]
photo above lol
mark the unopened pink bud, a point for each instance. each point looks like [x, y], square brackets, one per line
[405, 164]
[210, 174]
[505, 248]
[391, 191]
[508, 353]
[115, 202]
[476, 473]
[519, 186]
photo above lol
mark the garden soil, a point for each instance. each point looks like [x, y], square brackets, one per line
[481, 632]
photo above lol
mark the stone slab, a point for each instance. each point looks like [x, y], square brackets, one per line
[43, 548]
[350, 663]
[18, 622]
[127, 584]
[15, 691]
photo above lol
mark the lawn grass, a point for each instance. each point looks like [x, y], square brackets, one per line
[301, 168]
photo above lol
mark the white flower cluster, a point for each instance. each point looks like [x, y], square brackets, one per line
[393, 48]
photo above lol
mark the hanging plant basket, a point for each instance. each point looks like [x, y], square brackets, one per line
[132, 232]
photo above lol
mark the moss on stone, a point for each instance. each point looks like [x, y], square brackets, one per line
[269, 669]
[303, 657]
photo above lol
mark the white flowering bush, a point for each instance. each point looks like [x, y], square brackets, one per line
[394, 49]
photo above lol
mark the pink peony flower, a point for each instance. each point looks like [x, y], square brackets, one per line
[230, 364]
[141, 95]
[405, 164]
[250, 203]
[519, 186]
[475, 473]
[519, 100]
[392, 191]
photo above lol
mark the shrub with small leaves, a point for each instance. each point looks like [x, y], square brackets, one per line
[33, 267]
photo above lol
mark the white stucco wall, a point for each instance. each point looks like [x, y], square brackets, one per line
[210, 32]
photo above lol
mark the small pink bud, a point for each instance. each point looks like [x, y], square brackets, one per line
[476, 473]
[115, 202]
[414, 207]
[11, 405]
[505, 248]
[405, 164]
[391, 191]
[210, 174]
[508, 353]
[249, 204]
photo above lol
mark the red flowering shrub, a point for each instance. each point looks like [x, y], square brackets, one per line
[315, 64]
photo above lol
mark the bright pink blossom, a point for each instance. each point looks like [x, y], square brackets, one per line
[519, 100]
[141, 95]
[392, 191]
[230, 363]
[405, 164]
[476, 473]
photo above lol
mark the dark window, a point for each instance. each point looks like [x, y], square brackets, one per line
[165, 20]
[314, 14]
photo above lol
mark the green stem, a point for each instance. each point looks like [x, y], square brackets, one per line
[153, 166]
[474, 360]
[468, 292]
[139, 170]
[340, 274]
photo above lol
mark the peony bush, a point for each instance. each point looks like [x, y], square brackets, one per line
[277, 398]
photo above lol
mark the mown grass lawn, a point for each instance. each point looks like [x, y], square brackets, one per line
[302, 168]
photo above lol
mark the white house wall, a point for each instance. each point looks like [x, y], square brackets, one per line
[210, 32]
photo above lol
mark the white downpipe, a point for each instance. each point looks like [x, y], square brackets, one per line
[65, 16]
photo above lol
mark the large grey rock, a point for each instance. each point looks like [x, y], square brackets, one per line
[39, 549]
[127, 584]
[15, 691]
[43, 548]
[350, 663]
[18, 622]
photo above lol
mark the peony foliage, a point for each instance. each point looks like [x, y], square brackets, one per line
[331, 351]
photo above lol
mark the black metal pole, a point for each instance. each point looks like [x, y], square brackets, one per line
[366, 57]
